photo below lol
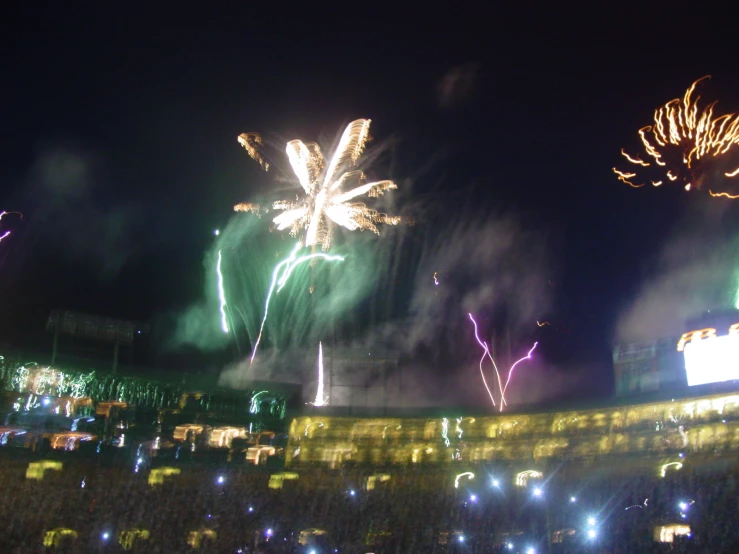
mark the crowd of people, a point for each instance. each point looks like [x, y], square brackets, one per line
[95, 504]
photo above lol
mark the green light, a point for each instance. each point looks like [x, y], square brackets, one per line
[222, 295]
[254, 407]
[290, 268]
[280, 275]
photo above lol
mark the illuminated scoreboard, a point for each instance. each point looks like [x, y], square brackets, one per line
[710, 357]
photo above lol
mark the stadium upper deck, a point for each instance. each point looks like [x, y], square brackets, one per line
[669, 429]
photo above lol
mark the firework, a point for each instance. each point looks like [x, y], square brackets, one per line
[6, 233]
[320, 399]
[510, 371]
[485, 352]
[252, 142]
[325, 200]
[686, 143]
[222, 295]
[280, 276]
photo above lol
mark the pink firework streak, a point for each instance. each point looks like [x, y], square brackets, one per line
[510, 373]
[485, 352]
[6, 233]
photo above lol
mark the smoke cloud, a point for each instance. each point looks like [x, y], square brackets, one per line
[66, 192]
[492, 267]
[457, 85]
[696, 271]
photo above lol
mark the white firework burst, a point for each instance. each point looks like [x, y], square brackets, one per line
[326, 199]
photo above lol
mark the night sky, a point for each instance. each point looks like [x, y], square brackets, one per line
[119, 131]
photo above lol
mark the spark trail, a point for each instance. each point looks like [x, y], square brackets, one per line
[7, 233]
[320, 399]
[485, 352]
[280, 275]
[222, 295]
[687, 143]
[510, 372]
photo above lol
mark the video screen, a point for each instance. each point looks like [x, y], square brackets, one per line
[712, 360]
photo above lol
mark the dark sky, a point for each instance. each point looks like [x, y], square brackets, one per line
[153, 101]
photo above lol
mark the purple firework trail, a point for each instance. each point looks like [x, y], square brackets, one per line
[485, 352]
[510, 372]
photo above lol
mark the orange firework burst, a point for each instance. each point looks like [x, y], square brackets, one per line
[686, 143]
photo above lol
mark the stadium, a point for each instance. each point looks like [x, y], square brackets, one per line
[626, 474]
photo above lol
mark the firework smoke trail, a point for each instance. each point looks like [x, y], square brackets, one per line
[222, 295]
[280, 275]
[320, 399]
[485, 352]
[510, 372]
